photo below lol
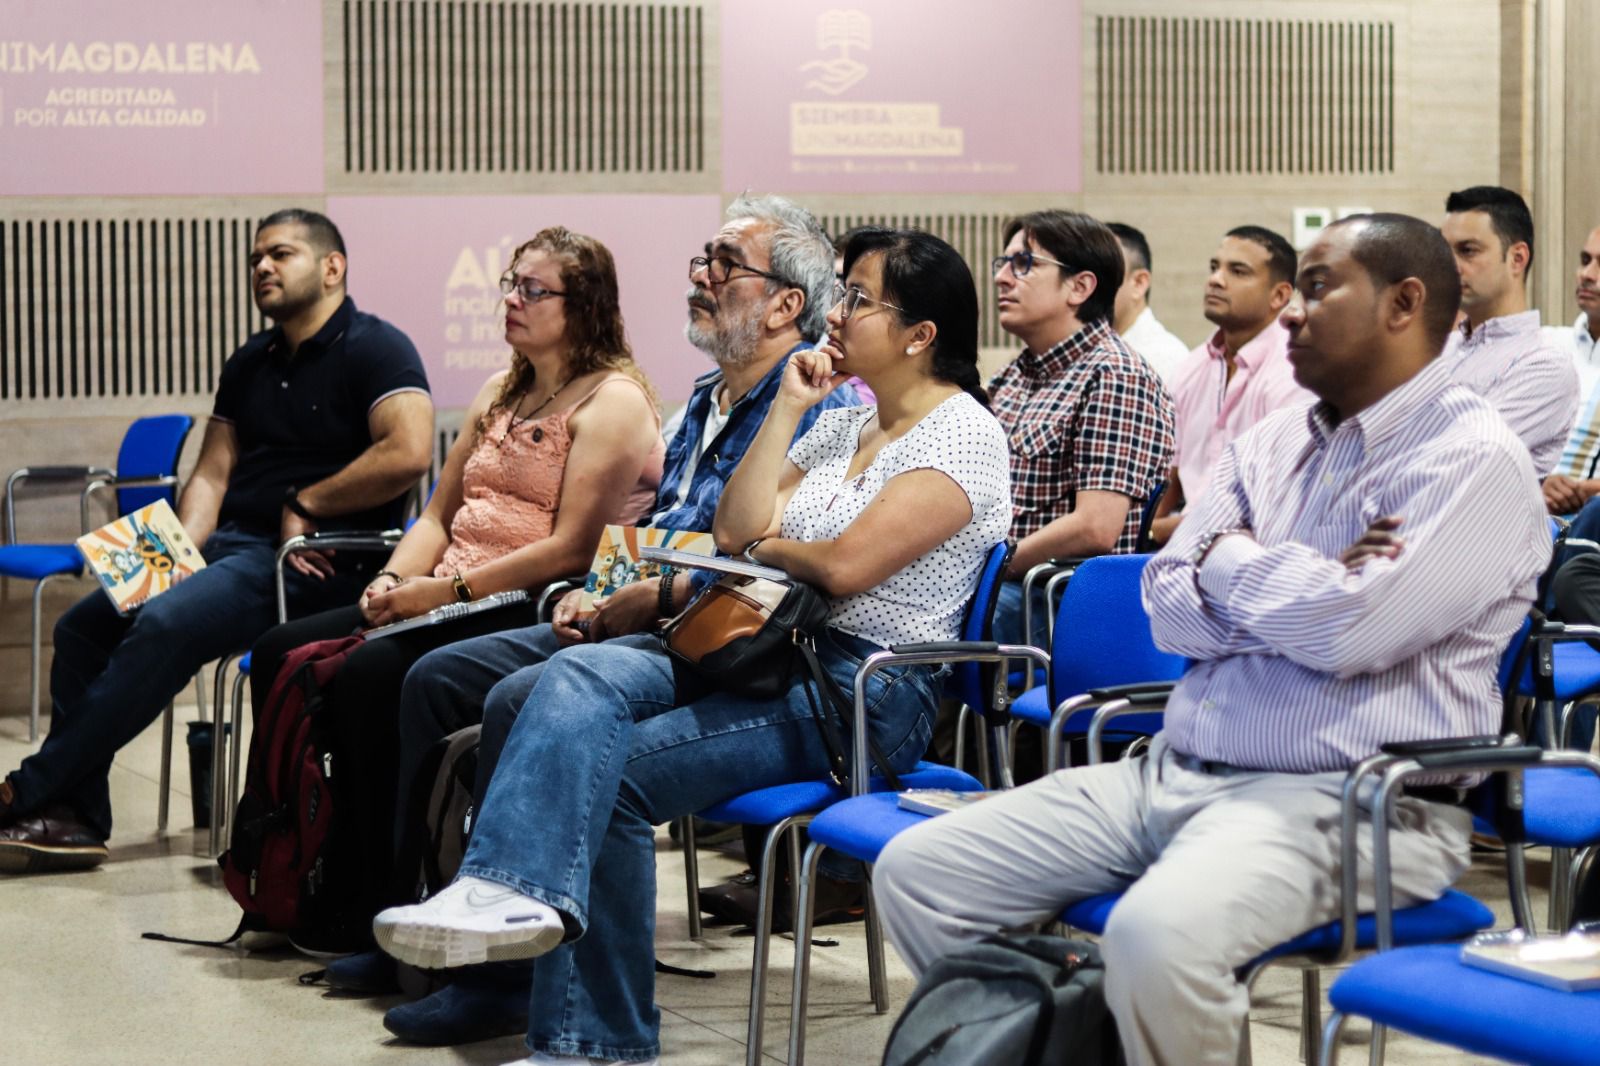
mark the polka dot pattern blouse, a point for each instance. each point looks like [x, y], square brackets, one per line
[927, 600]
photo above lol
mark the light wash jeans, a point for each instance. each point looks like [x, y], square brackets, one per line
[607, 748]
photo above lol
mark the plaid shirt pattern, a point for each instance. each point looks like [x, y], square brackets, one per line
[1087, 414]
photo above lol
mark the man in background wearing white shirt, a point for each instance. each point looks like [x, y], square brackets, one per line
[1135, 321]
[1574, 481]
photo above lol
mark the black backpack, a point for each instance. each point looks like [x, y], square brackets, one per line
[439, 822]
[1023, 1001]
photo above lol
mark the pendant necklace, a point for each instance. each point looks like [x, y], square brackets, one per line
[512, 425]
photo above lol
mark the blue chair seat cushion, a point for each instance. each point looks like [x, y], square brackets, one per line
[36, 561]
[768, 806]
[1453, 916]
[243, 665]
[862, 826]
[1576, 672]
[1033, 706]
[1429, 992]
[1561, 806]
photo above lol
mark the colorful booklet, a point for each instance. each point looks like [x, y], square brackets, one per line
[933, 801]
[1570, 963]
[620, 561]
[140, 555]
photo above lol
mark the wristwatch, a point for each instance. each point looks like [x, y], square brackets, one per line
[1210, 539]
[664, 604]
[748, 548]
[463, 590]
[291, 500]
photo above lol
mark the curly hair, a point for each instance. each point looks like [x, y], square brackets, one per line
[595, 335]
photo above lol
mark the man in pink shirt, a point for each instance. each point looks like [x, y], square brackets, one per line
[1241, 374]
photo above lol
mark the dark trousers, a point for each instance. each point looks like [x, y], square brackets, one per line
[112, 675]
[363, 704]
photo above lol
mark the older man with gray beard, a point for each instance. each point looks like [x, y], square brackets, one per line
[760, 292]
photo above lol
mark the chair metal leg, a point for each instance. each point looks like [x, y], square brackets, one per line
[766, 890]
[218, 740]
[691, 874]
[802, 957]
[986, 772]
[795, 857]
[164, 799]
[1380, 1038]
[1560, 919]
[1310, 1013]
[235, 737]
[963, 719]
[1330, 1039]
[876, 974]
[34, 668]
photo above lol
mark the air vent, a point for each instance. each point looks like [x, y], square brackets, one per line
[464, 86]
[1232, 96]
[121, 308]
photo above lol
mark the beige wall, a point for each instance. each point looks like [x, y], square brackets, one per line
[1462, 70]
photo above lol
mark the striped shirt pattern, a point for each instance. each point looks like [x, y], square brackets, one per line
[1527, 379]
[1305, 667]
[1086, 414]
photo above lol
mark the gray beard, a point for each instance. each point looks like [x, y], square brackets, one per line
[730, 344]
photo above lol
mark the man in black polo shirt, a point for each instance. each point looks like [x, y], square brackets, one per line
[322, 422]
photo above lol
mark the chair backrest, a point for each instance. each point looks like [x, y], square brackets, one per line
[1148, 515]
[972, 680]
[1102, 634]
[151, 448]
[1508, 658]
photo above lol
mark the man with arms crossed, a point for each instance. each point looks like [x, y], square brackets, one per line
[1239, 376]
[1318, 633]
[322, 422]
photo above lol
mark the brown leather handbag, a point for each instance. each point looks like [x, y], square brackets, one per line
[743, 634]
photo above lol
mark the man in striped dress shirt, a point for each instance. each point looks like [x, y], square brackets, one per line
[1351, 578]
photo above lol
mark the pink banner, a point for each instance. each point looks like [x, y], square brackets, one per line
[432, 265]
[940, 96]
[175, 97]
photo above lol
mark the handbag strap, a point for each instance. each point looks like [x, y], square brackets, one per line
[842, 708]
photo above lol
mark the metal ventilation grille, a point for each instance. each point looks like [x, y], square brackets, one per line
[979, 238]
[472, 86]
[1208, 96]
[126, 307]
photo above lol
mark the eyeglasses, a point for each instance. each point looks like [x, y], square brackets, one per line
[1022, 263]
[847, 299]
[526, 288]
[719, 268]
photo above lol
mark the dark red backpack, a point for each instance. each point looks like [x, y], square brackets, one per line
[284, 843]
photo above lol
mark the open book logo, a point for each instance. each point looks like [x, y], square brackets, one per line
[839, 30]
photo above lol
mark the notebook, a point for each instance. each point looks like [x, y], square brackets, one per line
[620, 560]
[450, 612]
[939, 800]
[1570, 963]
[722, 564]
[140, 555]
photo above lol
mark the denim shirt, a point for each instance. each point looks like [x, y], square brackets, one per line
[711, 473]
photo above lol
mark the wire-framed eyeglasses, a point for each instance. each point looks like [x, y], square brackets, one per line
[1022, 262]
[529, 290]
[849, 297]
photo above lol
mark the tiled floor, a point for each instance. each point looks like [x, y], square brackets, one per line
[81, 987]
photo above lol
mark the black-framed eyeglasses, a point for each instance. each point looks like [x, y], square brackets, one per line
[719, 268]
[1022, 262]
[848, 297]
[528, 289]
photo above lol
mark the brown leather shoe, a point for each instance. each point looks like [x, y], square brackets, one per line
[52, 840]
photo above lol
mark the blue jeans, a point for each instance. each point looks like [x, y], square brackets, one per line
[607, 749]
[112, 676]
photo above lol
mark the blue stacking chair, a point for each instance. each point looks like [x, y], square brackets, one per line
[1101, 649]
[786, 809]
[1426, 990]
[147, 471]
[1453, 916]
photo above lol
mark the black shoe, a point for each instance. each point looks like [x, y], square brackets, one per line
[53, 840]
[734, 902]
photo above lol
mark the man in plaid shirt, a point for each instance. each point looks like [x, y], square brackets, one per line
[1090, 422]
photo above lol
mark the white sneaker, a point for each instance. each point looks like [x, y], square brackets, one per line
[470, 921]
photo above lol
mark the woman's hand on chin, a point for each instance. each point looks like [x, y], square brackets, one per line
[810, 376]
[417, 596]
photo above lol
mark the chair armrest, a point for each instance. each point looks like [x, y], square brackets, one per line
[1139, 692]
[356, 540]
[552, 593]
[1460, 756]
[921, 654]
[1152, 697]
[44, 473]
[113, 482]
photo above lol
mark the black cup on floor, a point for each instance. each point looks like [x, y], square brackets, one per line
[200, 770]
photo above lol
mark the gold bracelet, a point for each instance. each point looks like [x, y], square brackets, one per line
[463, 590]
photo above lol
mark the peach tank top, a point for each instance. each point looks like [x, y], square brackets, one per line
[511, 487]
